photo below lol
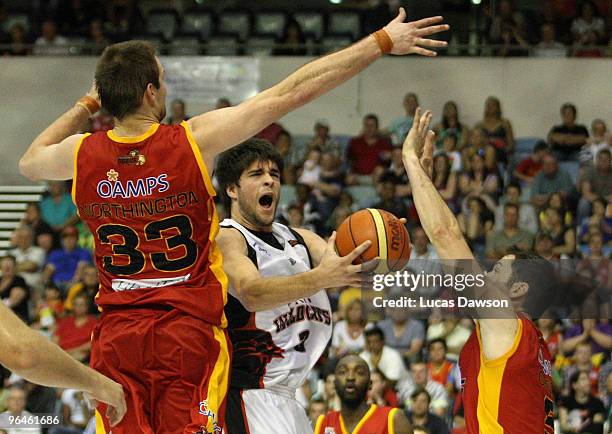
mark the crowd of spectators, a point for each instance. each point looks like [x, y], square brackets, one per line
[556, 199]
[554, 28]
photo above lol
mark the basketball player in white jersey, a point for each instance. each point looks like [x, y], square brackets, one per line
[278, 312]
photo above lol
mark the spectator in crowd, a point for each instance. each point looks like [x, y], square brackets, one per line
[600, 180]
[330, 396]
[450, 125]
[48, 310]
[403, 333]
[382, 357]
[558, 202]
[75, 411]
[597, 334]
[30, 258]
[419, 378]
[527, 169]
[388, 197]
[420, 415]
[421, 247]
[16, 404]
[88, 285]
[50, 43]
[381, 393]
[14, 292]
[18, 43]
[445, 179]
[498, 129]
[311, 169]
[582, 362]
[178, 112]
[316, 408]
[292, 42]
[40, 399]
[97, 38]
[588, 30]
[548, 45]
[367, 150]
[512, 41]
[123, 18]
[271, 133]
[551, 335]
[543, 246]
[291, 160]
[476, 223]
[295, 217]
[323, 140]
[73, 333]
[348, 335]
[57, 209]
[500, 242]
[65, 265]
[454, 331]
[222, 103]
[568, 138]
[528, 219]
[581, 412]
[74, 16]
[397, 173]
[599, 139]
[506, 14]
[43, 233]
[326, 189]
[398, 130]
[440, 369]
[563, 237]
[550, 179]
[597, 220]
[479, 181]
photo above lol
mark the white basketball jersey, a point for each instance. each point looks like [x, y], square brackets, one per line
[277, 347]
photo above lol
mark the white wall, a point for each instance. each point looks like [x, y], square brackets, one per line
[34, 91]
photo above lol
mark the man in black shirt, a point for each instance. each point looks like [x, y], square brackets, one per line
[567, 139]
[581, 412]
[420, 415]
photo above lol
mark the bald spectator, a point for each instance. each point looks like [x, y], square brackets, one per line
[567, 139]
[57, 209]
[550, 179]
[16, 404]
[368, 149]
[510, 236]
[30, 258]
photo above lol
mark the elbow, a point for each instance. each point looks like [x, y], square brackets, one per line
[25, 169]
[22, 359]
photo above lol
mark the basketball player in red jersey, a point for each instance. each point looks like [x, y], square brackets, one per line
[505, 365]
[357, 417]
[144, 190]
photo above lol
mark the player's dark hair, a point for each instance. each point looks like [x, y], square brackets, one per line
[374, 331]
[233, 162]
[539, 274]
[123, 73]
[437, 341]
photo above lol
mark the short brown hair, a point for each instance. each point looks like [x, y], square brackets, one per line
[123, 74]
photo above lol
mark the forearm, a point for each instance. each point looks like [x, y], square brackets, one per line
[27, 267]
[570, 344]
[602, 339]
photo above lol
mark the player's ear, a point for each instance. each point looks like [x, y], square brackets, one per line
[518, 290]
[231, 191]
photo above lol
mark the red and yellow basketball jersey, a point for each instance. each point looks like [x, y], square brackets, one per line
[149, 203]
[513, 393]
[378, 420]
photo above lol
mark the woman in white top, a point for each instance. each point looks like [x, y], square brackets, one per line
[348, 333]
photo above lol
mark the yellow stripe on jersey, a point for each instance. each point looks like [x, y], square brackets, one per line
[382, 240]
[364, 419]
[199, 159]
[216, 263]
[136, 139]
[99, 424]
[390, 426]
[218, 381]
[74, 171]
[319, 424]
[490, 378]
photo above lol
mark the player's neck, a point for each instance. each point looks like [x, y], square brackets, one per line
[352, 415]
[239, 218]
[134, 125]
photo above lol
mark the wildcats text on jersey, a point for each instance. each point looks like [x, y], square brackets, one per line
[302, 312]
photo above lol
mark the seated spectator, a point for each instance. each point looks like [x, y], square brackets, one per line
[598, 220]
[48, 310]
[322, 139]
[440, 369]
[381, 393]
[295, 217]
[451, 126]
[388, 198]
[75, 411]
[348, 335]
[527, 169]
[476, 223]
[599, 139]
[74, 16]
[30, 258]
[511, 236]
[581, 411]
[50, 43]
[600, 180]
[178, 112]
[552, 336]
[551, 179]
[506, 12]
[383, 357]
[420, 415]
[563, 237]
[316, 408]
[558, 201]
[445, 179]
[367, 150]
[97, 38]
[567, 139]
[479, 144]
[512, 41]
[543, 246]
[291, 159]
[403, 333]
[419, 378]
[73, 332]
[271, 132]
[57, 209]
[398, 130]
[16, 404]
[527, 215]
[18, 44]
[479, 181]
[498, 129]
[588, 29]
[292, 42]
[326, 190]
[548, 45]
[89, 285]
[449, 147]
[14, 291]
[454, 331]
[330, 396]
[65, 265]
[397, 173]
[311, 169]
[421, 247]
[597, 334]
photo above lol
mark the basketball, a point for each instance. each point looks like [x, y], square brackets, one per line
[390, 239]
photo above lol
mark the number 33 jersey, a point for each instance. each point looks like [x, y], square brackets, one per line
[276, 348]
[148, 201]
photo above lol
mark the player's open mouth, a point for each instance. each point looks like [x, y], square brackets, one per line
[350, 388]
[266, 201]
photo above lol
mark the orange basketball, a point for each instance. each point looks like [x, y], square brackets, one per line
[390, 239]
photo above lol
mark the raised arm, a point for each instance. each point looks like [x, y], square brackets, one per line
[28, 354]
[258, 293]
[219, 130]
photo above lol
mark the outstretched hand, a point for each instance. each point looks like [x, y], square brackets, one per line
[419, 142]
[410, 38]
[340, 271]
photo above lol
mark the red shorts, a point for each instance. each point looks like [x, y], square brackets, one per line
[173, 367]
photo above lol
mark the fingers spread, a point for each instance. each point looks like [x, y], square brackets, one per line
[426, 31]
[431, 43]
[424, 52]
[427, 21]
[359, 250]
[331, 243]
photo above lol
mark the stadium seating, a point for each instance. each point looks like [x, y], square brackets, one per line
[164, 21]
[199, 21]
[270, 22]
